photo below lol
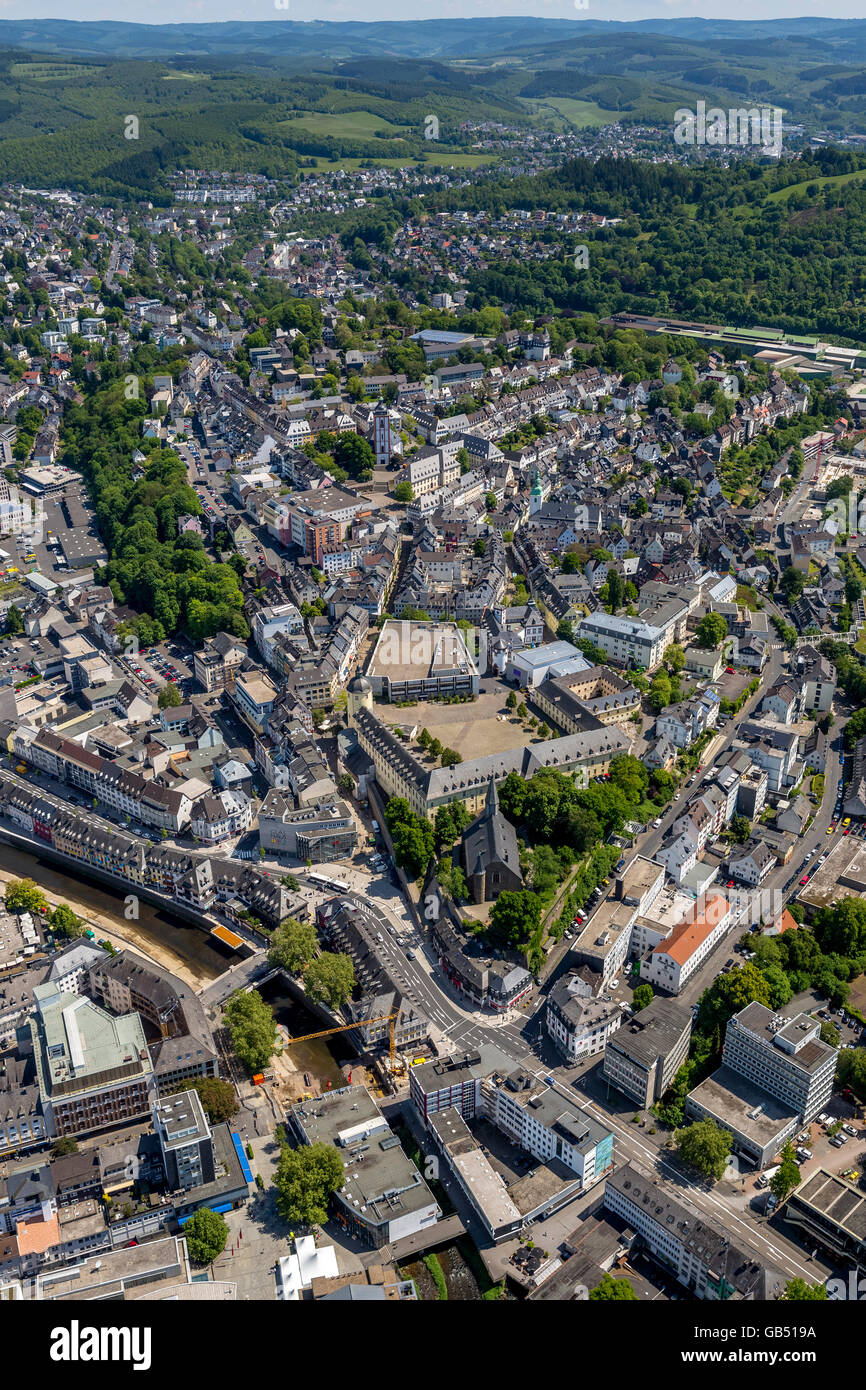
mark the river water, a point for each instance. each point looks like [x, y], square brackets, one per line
[185, 949]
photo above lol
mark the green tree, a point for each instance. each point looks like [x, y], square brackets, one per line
[660, 691]
[783, 1182]
[414, 844]
[615, 591]
[630, 776]
[851, 1070]
[14, 621]
[217, 1097]
[404, 492]
[830, 1034]
[642, 996]
[712, 630]
[304, 1181]
[169, 696]
[704, 1147]
[205, 1234]
[740, 828]
[23, 895]
[346, 784]
[798, 1291]
[64, 1146]
[613, 1290]
[730, 993]
[792, 583]
[516, 916]
[65, 922]
[841, 929]
[511, 701]
[451, 820]
[675, 658]
[250, 1023]
[293, 946]
[353, 453]
[330, 979]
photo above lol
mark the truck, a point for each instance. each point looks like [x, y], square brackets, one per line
[766, 1178]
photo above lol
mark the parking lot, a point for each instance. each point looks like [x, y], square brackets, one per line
[169, 663]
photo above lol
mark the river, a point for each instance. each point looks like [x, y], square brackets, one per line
[320, 1058]
[187, 951]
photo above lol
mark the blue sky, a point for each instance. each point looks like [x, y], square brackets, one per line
[210, 11]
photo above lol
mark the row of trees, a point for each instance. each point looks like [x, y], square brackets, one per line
[168, 578]
[25, 895]
[329, 977]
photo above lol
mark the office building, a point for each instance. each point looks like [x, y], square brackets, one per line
[94, 1071]
[686, 1243]
[830, 1210]
[648, 1051]
[185, 1141]
[384, 1197]
[784, 1056]
[627, 641]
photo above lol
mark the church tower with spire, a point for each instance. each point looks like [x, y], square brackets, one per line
[536, 496]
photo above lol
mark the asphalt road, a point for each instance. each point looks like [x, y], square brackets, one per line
[632, 1144]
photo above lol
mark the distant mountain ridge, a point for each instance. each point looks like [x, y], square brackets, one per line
[442, 38]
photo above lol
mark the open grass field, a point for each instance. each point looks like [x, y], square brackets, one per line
[347, 125]
[783, 195]
[54, 72]
[579, 114]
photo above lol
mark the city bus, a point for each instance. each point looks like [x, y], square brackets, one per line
[322, 881]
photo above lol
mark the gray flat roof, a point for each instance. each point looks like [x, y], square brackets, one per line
[749, 1110]
[381, 1182]
[836, 1200]
[654, 1032]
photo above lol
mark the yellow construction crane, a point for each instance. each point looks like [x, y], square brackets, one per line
[359, 1023]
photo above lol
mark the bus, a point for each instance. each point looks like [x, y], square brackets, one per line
[322, 881]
